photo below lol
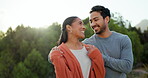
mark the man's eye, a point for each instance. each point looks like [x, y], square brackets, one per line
[90, 21]
[96, 19]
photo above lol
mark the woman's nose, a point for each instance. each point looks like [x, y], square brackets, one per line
[84, 28]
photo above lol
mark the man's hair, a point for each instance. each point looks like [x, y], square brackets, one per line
[102, 10]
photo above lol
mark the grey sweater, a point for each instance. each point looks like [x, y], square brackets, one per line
[117, 53]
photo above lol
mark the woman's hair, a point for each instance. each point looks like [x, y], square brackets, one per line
[64, 35]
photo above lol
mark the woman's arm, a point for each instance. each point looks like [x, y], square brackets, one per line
[61, 68]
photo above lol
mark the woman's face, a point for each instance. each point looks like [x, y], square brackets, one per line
[78, 28]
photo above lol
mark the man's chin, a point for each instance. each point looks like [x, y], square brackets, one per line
[98, 32]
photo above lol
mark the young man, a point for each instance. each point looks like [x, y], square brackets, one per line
[116, 48]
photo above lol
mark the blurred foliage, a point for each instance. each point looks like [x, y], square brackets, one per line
[1, 35]
[24, 51]
[88, 31]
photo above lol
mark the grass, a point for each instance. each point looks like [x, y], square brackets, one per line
[139, 72]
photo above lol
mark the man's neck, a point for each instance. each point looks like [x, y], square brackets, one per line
[105, 34]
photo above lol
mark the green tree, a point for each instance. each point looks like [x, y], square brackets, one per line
[24, 49]
[35, 62]
[88, 32]
[119, 19]
[6, 64]
[1, 35]
[20, 71]
[137, 46]
[54, 32]
[145, 54]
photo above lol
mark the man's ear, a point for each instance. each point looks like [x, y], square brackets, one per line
[68, 27]
[107, 19]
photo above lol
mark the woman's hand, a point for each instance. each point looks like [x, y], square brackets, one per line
[90, 48]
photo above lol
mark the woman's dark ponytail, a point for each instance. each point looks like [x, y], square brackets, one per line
[64, 35]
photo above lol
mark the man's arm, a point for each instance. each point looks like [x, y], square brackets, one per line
[125, 63]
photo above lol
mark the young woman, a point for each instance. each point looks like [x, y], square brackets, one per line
[75, 59]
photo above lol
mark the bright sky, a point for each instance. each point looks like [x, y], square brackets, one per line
[42, 13]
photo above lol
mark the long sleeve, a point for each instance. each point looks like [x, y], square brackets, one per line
[61, 69]
[97, 63]
[125, 62]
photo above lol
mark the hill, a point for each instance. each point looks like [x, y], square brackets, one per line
[143, 25]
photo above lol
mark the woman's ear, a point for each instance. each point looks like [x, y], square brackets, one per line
[68, 27]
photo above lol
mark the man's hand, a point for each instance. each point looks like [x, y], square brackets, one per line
[53, 49]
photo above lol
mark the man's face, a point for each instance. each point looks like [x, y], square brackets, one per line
[97, 22]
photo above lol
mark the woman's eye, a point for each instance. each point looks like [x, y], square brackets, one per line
[81, 23]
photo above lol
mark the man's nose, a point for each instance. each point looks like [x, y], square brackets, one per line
[93, 24]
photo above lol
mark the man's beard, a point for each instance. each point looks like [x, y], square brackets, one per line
[102, 29]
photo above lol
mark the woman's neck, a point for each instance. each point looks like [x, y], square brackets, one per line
[74, 44]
